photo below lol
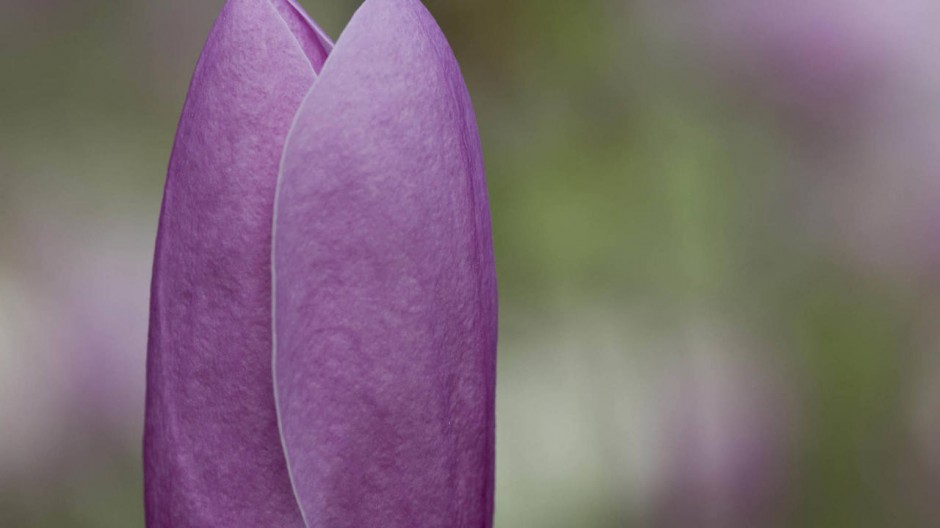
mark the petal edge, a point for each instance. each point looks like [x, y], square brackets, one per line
[385, 290]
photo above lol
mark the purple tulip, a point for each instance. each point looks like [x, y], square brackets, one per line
[379, 407]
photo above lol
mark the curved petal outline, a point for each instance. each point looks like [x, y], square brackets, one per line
[208, 161]
[451, 78]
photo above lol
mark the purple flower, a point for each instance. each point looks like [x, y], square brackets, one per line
[382, 307]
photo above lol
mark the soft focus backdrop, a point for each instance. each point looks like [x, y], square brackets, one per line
[718, 235]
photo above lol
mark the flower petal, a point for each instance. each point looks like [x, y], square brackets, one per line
[312, 39]
[213, 456]
[385, 288]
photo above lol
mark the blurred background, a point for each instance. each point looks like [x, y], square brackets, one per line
[717, 226]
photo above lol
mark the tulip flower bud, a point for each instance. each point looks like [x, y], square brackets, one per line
[379, 405]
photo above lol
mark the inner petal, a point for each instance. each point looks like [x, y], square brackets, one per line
[312, 40]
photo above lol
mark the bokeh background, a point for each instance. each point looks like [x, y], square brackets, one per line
[718, 235]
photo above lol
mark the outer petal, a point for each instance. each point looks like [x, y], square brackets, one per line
[212, 452]
[385, 290]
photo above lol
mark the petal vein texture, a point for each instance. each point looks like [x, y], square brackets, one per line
[323, 323]
[212, 453]
[385, 291]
